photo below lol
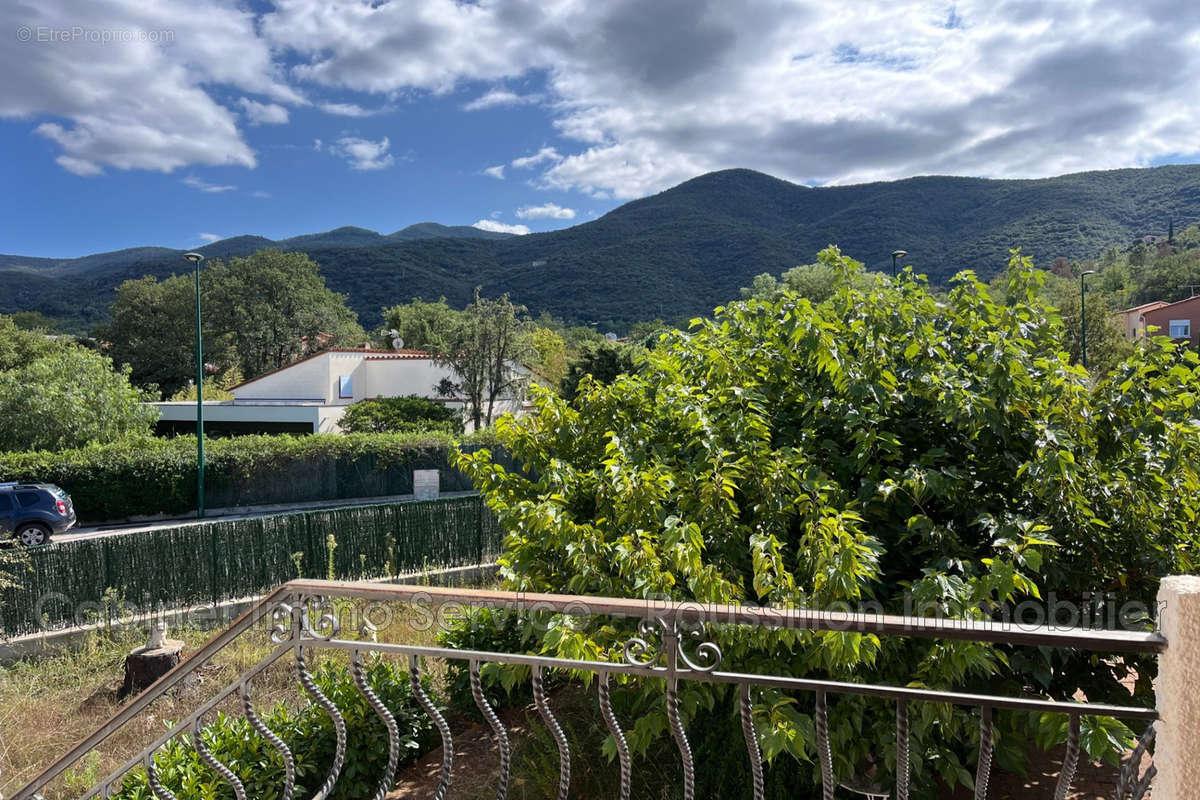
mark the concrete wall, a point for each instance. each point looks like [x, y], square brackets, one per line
[1185, 309]
[304, 380]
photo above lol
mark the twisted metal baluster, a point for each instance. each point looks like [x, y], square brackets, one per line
[156, 786]
[823, 751]
[902, 762]
[610, 720]
[1130, 767]
[751, 737]
[984, 771]
[289, 761]
[1070, 760]
[389, 721]
[414, 679]
[239, 789]
[498, 729]
[339, 725]
[564, 750]
[672, 649]
[1139, 790]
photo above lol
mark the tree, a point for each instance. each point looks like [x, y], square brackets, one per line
[153, 330]
[69, 397]
[19, 346]
[886, 447]
[601, 360]
[421, 324]
[275, 308]
[548, 354]
[1106, 341]
[489, 338]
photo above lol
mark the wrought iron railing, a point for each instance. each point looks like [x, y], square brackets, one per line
[670, 645]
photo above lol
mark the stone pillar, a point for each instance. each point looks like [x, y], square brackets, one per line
[1177, 691]
[426, 484]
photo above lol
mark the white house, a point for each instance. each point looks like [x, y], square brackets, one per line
[310, 395]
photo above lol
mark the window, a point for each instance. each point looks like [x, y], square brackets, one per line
[346, 387]
[5, 502]
[27, 499]
[1181, 329]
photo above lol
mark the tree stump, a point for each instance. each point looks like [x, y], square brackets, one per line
[144, 665]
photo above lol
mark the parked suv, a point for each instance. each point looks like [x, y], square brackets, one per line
[33, 512]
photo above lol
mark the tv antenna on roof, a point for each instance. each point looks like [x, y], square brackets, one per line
[1192, 287]
[397, 342]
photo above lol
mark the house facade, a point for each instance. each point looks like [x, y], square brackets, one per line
[1180, 321]
[312, 394]
[1132, 320]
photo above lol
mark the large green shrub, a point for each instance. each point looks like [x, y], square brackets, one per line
[308, 733]
[928, 454]
[158, 476]
[411, 413]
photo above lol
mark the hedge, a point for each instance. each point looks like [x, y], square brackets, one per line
[203, 563]
[151, 476]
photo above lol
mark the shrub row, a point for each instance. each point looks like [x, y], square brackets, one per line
[145, 477]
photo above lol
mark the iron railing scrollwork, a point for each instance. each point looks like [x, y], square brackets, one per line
[670, 644]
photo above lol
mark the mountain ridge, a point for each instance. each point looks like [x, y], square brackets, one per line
[682, 251]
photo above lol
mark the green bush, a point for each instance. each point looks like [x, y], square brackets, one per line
[888, 447]
[158, 476]
[308, 733]
[408, 414]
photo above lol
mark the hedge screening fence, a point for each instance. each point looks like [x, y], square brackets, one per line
[152, 476]
[204, 563]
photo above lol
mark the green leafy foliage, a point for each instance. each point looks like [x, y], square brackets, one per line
[407, 414]
[603, 361]
[56, 395]
[260, 313]
[889, 447]
[309, 734]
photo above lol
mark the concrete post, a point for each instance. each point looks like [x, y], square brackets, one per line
[1177, 691]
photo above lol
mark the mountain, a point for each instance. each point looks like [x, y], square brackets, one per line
[682, 251]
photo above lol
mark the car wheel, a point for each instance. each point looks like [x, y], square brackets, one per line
[33, 534]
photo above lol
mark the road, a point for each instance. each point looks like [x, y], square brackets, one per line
[125, 528]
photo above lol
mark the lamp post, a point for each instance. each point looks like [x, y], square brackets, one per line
[196, 258]
[896, 256]
[1083, 317]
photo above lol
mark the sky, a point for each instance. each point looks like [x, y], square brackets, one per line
[177, 122]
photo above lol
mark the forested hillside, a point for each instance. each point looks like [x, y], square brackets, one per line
[680, 252]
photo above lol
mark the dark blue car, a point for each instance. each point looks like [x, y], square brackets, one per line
[33, 512]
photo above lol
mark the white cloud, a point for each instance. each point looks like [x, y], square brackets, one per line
[653, 93]
[139, 104]
[260, 194]
[318, 145]
[495, 172]
[363, 154]
[500, 227]
[205, 186]
[263, 113]
[500, 97]
[543, 156]
[209, 238]
[545, 211]
[348, 110]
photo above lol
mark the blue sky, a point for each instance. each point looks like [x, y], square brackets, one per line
[129, 122]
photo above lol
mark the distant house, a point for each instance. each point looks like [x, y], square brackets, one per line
[1180, 321]
[1133, 321]
[310, 395]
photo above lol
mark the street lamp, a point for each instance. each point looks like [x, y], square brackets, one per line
[196, 258]
[1083, 316]
[896, 256]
